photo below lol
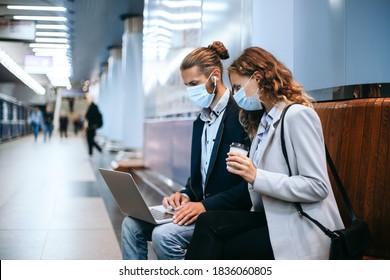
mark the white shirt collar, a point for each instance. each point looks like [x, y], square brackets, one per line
[209, 115]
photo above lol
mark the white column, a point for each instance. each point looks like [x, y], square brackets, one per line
[132, 83]
[104, 100]
[57, 109]
[115, 93]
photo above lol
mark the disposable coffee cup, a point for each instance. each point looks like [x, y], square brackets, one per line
[238, 148]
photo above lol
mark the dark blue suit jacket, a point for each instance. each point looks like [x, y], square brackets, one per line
[223, 190]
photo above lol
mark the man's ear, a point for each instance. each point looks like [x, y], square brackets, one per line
[217, 75]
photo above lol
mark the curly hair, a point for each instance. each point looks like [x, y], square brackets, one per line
[206, 58]
[275, 80]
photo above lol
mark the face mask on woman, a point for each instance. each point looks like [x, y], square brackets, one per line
[251, 103]
[199, 95]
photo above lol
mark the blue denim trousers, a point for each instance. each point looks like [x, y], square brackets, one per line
[47, 130]
[35, 128]
[170, 241]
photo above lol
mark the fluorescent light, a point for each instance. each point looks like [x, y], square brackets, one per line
[42, 18]
[15, 69]
[51, 34]
[37, 8]
[51, 40]
[175, 26]
[51, 26]
[182, 4]
[177, 16]
[51, 46]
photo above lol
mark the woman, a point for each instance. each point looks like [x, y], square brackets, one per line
[210, 186]
[259, 80]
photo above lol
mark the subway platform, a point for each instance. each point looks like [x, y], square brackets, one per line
[54, 203]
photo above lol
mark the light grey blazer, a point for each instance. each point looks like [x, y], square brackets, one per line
[294, 236]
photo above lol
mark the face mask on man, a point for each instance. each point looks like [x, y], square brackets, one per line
[199, 95]
[251, 103]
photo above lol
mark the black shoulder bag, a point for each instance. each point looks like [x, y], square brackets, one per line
[346, 244]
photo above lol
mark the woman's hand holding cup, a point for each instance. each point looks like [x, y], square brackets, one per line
[238, 163]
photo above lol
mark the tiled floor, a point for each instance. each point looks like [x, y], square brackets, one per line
[53, 204]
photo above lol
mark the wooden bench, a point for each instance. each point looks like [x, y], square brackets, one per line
[357, 133]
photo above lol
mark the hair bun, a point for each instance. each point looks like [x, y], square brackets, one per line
[219, 48]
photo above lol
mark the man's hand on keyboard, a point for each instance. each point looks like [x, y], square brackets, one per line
[188, 213]
[175, 200]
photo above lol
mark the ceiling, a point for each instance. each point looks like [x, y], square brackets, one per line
[94, 26]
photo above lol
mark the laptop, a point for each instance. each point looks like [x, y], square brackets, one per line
[130, 200]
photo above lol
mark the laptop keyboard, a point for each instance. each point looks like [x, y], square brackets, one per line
[158, 215]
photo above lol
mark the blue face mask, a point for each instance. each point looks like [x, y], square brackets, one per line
[199, 95]
[251, 103]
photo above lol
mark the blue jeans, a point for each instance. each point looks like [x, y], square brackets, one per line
[170, 241]
[35, 128]
[47, 130]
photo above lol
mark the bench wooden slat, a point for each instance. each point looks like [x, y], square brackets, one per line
[381, 210]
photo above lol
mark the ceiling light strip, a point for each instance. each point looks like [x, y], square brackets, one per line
[51, 40]
[171, 26]
[40, 18]
[50, 46]
[51, 34]
[37, 8]
[182, 4]
[177, 16]
[15, 69]
[51, 26]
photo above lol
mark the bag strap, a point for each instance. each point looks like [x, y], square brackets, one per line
[340, 185]
[332, 167]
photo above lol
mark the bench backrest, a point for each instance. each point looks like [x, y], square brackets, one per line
[357, 134]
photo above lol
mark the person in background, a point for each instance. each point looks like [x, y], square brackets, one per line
[48, 123]
[36, 121]
[210, 186]
[78, 123]
[64, 125]
[71, 104]
[274, 229]
[93, 118]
